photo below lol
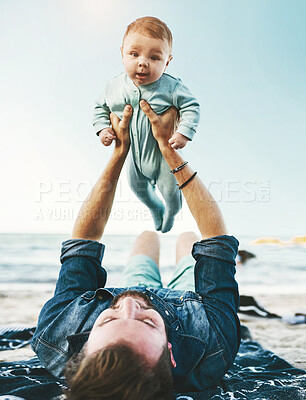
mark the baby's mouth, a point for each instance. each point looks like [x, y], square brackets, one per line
[141, 74]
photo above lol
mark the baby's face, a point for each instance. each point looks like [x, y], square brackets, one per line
[144, 58]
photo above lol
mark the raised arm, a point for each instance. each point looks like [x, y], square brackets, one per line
[102, 112]
[96, 209]
[200, 202]
[189, 110]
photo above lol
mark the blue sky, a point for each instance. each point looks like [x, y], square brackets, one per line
[244, 60]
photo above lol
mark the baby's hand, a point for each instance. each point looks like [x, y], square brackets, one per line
[107, 135]
[178, 141]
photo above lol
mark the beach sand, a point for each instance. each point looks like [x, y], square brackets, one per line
[287, 341]
[21, 305]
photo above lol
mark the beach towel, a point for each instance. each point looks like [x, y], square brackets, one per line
[14, 337]
[249, 308]
[256, 374]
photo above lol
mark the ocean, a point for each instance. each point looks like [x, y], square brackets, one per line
[32, 260]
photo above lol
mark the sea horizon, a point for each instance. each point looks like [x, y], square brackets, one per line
[29, 259]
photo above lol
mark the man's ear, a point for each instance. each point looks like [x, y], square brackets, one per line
[173, 363]
[167, 63]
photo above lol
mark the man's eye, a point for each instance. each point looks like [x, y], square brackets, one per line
[148, 321]
[108, 320]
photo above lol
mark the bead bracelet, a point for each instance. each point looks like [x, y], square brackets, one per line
[180, 167]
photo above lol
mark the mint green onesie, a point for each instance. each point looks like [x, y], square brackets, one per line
[146, 165]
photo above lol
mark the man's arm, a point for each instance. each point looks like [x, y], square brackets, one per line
[96, 209]
[200, 202]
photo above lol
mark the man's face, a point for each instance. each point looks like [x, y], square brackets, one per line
[144, 58]
[132, 320]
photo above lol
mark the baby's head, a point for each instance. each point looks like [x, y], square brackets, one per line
[146, 50]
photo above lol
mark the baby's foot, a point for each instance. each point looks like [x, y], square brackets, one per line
[158, 214]
[168, 221]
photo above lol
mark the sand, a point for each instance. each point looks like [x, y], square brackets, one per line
[21, 305]
[287, 341]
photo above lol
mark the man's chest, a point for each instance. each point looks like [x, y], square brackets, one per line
[182, 311]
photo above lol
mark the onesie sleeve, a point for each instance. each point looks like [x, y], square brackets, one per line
[101, 118]
[189, 109]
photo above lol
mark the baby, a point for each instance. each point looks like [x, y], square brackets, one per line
[146, 53]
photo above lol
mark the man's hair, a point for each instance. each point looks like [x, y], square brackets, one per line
[152, 27]
[118, 373]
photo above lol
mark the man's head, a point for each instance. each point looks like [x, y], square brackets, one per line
[131, 320]
[146, 50]
[118, 373]
[127, 346]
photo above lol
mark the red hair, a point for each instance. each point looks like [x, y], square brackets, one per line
[152, 27]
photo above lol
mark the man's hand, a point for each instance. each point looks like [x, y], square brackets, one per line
[163, 125]
[178, 141]
[107, 135]
[121, 128]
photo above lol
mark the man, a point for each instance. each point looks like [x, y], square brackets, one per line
[126, 343]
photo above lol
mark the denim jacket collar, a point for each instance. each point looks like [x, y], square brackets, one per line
[77, 341]
[180, 341]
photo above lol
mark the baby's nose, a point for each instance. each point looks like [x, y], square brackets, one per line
[143, 62]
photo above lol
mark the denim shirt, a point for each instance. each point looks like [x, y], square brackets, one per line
[203, 326]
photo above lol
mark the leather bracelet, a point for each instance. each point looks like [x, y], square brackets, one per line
[179, 168]
[188, 180]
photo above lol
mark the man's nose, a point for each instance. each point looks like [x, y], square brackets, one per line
[143, 62]
[129, 307]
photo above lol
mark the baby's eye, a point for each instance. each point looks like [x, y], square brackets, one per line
[154, 58]
[134, 54]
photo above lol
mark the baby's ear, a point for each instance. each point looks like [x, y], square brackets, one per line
[121, 51]
[167, 63]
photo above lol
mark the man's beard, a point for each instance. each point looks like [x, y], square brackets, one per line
[132, 293]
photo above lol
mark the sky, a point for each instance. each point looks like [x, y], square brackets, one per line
[245, 61]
